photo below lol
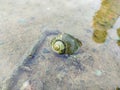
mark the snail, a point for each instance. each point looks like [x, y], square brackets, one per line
[65, 44]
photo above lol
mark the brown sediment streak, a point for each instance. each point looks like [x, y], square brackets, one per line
[118, 32]
[105, 19]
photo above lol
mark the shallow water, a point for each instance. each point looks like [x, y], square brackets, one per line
[35, 66]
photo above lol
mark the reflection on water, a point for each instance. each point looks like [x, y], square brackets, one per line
[105, 19]
[118, 32]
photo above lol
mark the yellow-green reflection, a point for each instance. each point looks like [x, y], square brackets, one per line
[118, 32]
[105, 19]
[99, 36]
[117, 88]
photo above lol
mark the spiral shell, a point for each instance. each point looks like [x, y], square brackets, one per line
[65, 44]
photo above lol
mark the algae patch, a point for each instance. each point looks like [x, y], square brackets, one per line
[118, 32]
[99, 36]
[117, 88]
[105, 19]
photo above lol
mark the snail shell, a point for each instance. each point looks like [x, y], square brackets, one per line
[65, 44]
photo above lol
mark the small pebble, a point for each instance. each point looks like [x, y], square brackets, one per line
[1, 43]
[98, 73]
[26, 68]
[26, 86]
[22, 21]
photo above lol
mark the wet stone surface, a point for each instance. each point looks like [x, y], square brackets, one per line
[50, 69]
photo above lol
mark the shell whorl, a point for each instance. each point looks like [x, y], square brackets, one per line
[59, 47]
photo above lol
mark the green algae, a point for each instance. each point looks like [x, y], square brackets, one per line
[105, 19]
[118, 32]
[117, 88]
[99, 36]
